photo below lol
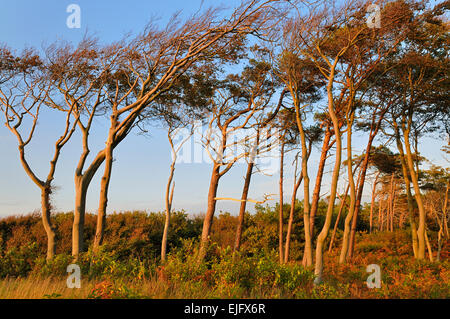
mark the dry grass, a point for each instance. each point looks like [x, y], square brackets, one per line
[39, 288]
[45, 288]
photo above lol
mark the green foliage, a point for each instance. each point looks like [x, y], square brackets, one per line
[18, 262]
[55, 267]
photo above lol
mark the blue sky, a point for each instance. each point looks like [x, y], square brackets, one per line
[141, 163]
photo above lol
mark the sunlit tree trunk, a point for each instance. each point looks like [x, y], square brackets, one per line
[417, 194]
[391, 204]
[361, 182]
[280, 211]
[351, 181]
[318, 269]
[207, 223]
[336, 223]
[318, 183]
[409, 197]
[291, 219]
[307, 261]
[49, 229]
[372, 203]
[244, 197]
[104, 187]
[168, 200]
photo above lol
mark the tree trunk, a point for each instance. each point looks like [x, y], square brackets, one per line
[380, 214]
[372, 203]
[49, 229]
[318, 269]
[316, 194]
[308, 255]
[391, 204]
[280, 212]
[103, 201]
[430, 251]
[169, 198]
[341, 208]
[291, 219]
[348, 218]
[207, 223]
[240, 226]
[410, 201]
[418, 196]
[78, 220]
[361, 182]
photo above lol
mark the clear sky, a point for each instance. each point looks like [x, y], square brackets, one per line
[141, 163]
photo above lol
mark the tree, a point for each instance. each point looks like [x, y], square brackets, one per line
[234, 107]
[323, 39]
[257, 148]
[25, 87]
[300, 78]
[419, 76]
[437, 188]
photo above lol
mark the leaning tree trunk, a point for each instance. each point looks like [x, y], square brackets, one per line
[291, 219]
[207, 223]
[103, 201]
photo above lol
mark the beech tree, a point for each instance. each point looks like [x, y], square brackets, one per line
[319, 41]
[419, 74]
[25, 85]
[236, 104]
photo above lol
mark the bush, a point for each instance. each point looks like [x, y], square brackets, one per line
[18, 262]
